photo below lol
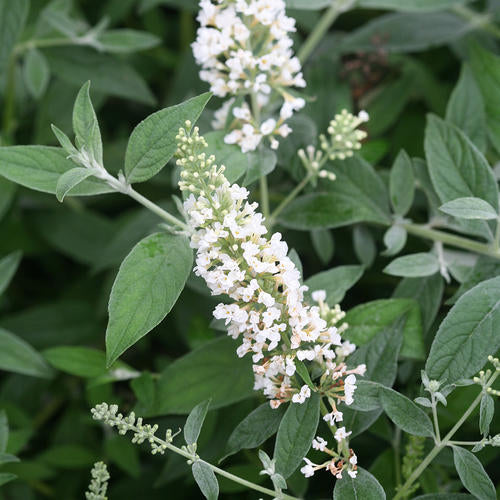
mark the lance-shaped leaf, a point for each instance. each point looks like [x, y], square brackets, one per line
[469, 208]
[195, 421]
[147, 286]
[69, 180]
[363, 487]
[8, 267]
[153, 142]
[468, 334]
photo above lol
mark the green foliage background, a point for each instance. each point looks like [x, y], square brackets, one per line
[68, 254]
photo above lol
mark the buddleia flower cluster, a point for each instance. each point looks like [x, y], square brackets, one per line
[244, 49]
[237, 258]
[99, 482]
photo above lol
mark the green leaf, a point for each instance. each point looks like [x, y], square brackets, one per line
[364, 245]
[229, 155]
[69, 180]
[335, 282]
[413, 265]
[466, 109]
[86, 126]
[152, 143]
[8, 267]
[6, 458]
[486, 411]
[261, 162]
[79, 361]
[109, 74]
[13, 16]
[7, 193]
[445, 496]
[486, 69]
[323, 244]
[4, 431]
[147, 286]
[458, 169]
[307, 4]
[6, 477]
[394, 240]
[39, 168]
[469, 208]
[36, 73]
[18, 356]
[211, 371]
[467, 335]
[255, 428]
[64, 140]
[206, 480]
[295, 434]
[367, 320]
[380, 354]
[358, 194]
[363, 487]
[409, 5]
[402, 184]
[195, 421]
[124, 41]
[407, 32]
[405, 413]
[473, 475]
[427, 291]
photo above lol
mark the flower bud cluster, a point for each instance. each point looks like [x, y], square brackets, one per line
[99, 482]
[344, 136]
[244, 49]
[142, 432]
[268, 312]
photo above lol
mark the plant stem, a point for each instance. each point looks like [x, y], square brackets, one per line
[319, 31]
[163, 214]
[264, 190]
[463, 443]
[222, 472]
[445, 442]
[451, 239]
[396, 444]
[435, 418]
[298, 188]
[481, 20]
[47, 42]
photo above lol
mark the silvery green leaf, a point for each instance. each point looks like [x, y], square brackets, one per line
[153, 142]
[486, 411]
[473, 475]
[71, 179]
[466, 108]
[13, 16]
[126, 40]
[18, 356]
[439, 396]
[279, 481]
[295, 434]
[64, 141]
[469, 208]
[405, 413]
[467, 335]
[206, 480]
[413, 265]
[364, 245]
[402, 183]
[255, 428]
[364, 486]
[394, 240]
[8, 267]
[423, 402]
[36, 73]
[147, 286]
[195, 421]
[323, 244]
[266, 460]
[86, 126]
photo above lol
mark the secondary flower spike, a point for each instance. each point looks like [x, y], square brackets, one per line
[268, 312]
[244, 50]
